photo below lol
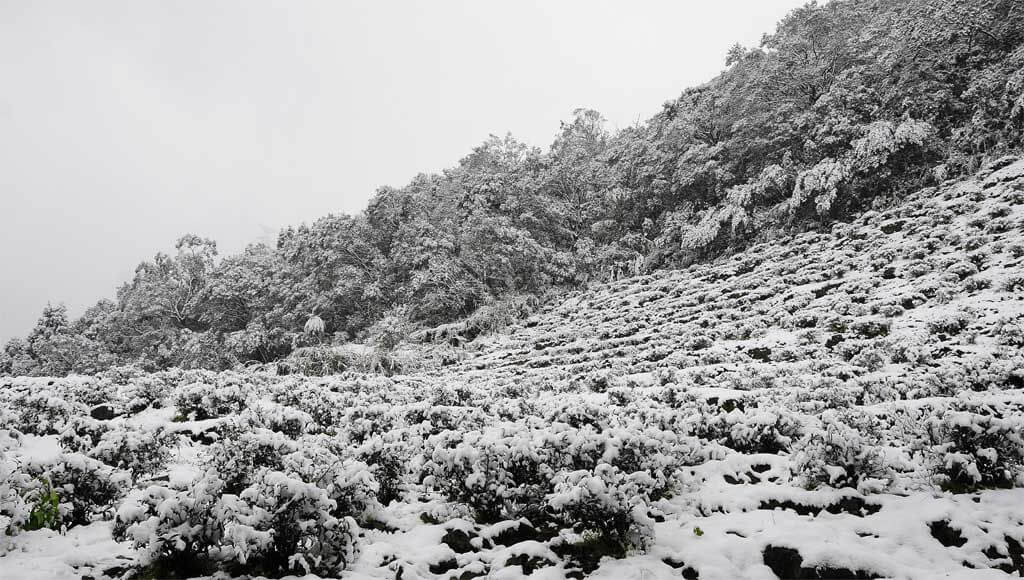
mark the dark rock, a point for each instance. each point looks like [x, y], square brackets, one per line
[787, 563]
[784, 562]
[891, 227]
[103, 412]
[458, 541]
[947, 535]
[687, 572]
[760, 353]
[522, 532]
[834, 340]
[530, 564]
[444, 566]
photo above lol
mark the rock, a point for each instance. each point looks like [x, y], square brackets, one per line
[788, 563]
[529, 563]
[103, 412]
[947, 535]
[522, 532]
[687, 572]
[458, 541]
[761, 353]
[444, 566]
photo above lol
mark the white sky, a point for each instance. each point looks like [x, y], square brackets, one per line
[126, 124]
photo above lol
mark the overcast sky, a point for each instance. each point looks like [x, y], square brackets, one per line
[126, 124]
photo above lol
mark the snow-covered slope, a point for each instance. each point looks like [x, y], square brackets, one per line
[847, 404]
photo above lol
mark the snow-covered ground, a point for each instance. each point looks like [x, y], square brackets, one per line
[835, 404]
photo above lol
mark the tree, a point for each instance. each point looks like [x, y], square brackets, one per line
[164, 298]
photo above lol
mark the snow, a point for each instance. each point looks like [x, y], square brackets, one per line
[81, 551]
[798, 395]
[40, 448]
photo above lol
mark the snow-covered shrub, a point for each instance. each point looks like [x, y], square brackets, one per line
[204, 401]
[281, 524]
[387, 462]
[1013, 283]
[962, 270]
[362, 422]
[906, 350]
[889, 310]
[601, 380]
[496, 315]
[951, 324]
[123, 374]
[82, 433]
[143, 392]
[620, 396]
[636, 449]
[445, 396]
[578, 414]
[298, 518]
[504, 472]
[320, 403]
[88, 390]
[392, 329]
[917, 268]
[829, 392]
[318, 361]
[977, 284]
[44, 413]
[500, 473]
[871, 359]
[428, 420]
[175, 528]
[349, 483]
[871, 328]
[239, 455]
[837, 454]
[979, 373]
[84, 486]
[276, 417]
[14, 510]
[762, 430]
[602, 512]
[139, 451]
[1010, 333]
[973, 450]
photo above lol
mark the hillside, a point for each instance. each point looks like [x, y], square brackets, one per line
[846, 403]
[939, 273]
[845, 106]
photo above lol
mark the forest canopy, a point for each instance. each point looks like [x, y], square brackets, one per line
[845, 107]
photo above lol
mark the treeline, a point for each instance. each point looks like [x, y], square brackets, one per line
[846, 106]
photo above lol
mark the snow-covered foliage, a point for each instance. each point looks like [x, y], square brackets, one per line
[849, 402]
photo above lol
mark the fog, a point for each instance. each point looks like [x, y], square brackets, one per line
[126, 124]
